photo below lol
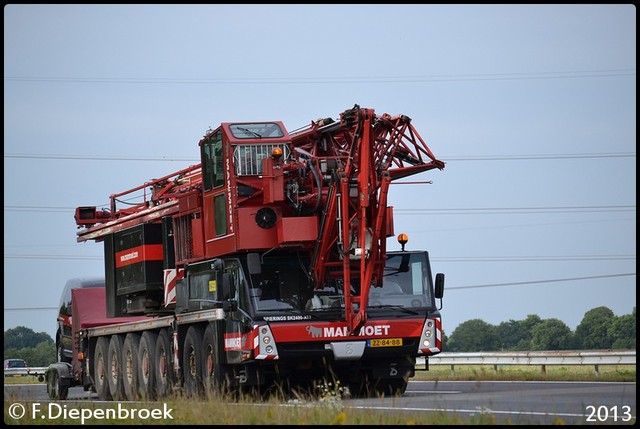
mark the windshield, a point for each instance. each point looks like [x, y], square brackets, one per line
[15, 364]
[284, 285]
[407, 282]
[256, 130]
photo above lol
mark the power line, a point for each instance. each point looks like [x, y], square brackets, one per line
[69, 257]
[31, 308]
[518, 210]
[468, 210]
[448, 288]
[38, 209]
[554, 156]
[100, 158]
[332, 80]
[540, 281]
[534, 258]
[446, 159]
[434, 259]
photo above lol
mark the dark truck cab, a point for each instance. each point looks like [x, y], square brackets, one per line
[64, 339]
[87, 303]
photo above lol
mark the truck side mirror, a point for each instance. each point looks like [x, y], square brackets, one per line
[439, 285]
[228, 285]
[229, 304]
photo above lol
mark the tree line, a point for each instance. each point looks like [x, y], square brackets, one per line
[37, 349]
[599, 329]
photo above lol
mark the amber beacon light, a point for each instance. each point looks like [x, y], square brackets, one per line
[402, 239]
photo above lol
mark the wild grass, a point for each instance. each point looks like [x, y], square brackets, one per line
[25, 379]
[490, 372]
[220, 410]
[323, 407]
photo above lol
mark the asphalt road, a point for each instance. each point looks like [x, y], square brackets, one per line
[510, 402]
[518, 402]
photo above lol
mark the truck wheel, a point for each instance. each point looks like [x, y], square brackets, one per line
[130, 382]
[146, 364]
[192, 367]
[214, 374]
[163, 370]
[54, 388]
[100, 369]
[115, 367]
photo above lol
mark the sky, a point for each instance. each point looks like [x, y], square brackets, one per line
[532, 107]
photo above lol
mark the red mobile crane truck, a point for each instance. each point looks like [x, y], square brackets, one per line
[266, 264]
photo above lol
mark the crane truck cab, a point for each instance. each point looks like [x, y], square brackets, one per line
[264, 265]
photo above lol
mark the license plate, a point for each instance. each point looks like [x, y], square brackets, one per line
[385, 342]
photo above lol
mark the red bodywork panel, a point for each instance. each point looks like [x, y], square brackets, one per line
[89, 309]
[323, 331]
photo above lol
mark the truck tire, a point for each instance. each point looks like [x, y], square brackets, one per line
[130, 382]
[100, 369]
[192, 367]
[55, 389]
[115, 368]
[146, 365]
[214, 374]
[163, 370]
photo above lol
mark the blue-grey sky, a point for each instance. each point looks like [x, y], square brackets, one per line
[532, 107]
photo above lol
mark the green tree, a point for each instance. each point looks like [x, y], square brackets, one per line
[552, 334]
[623, 331]
[21, 337]
[516, 334]
[592, 332]
[445, 340]
[474, 336]
[43, 354]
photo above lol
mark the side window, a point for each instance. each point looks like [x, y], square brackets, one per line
[65, 310]
[220, 214]
[65, 303]
[248, 158]
[212, 162]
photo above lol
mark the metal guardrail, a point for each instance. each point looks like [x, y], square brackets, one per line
[541, 358]
[17, 372]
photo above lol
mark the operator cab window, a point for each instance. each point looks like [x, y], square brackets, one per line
[256, 131]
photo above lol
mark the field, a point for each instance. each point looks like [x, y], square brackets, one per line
[530, 373]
